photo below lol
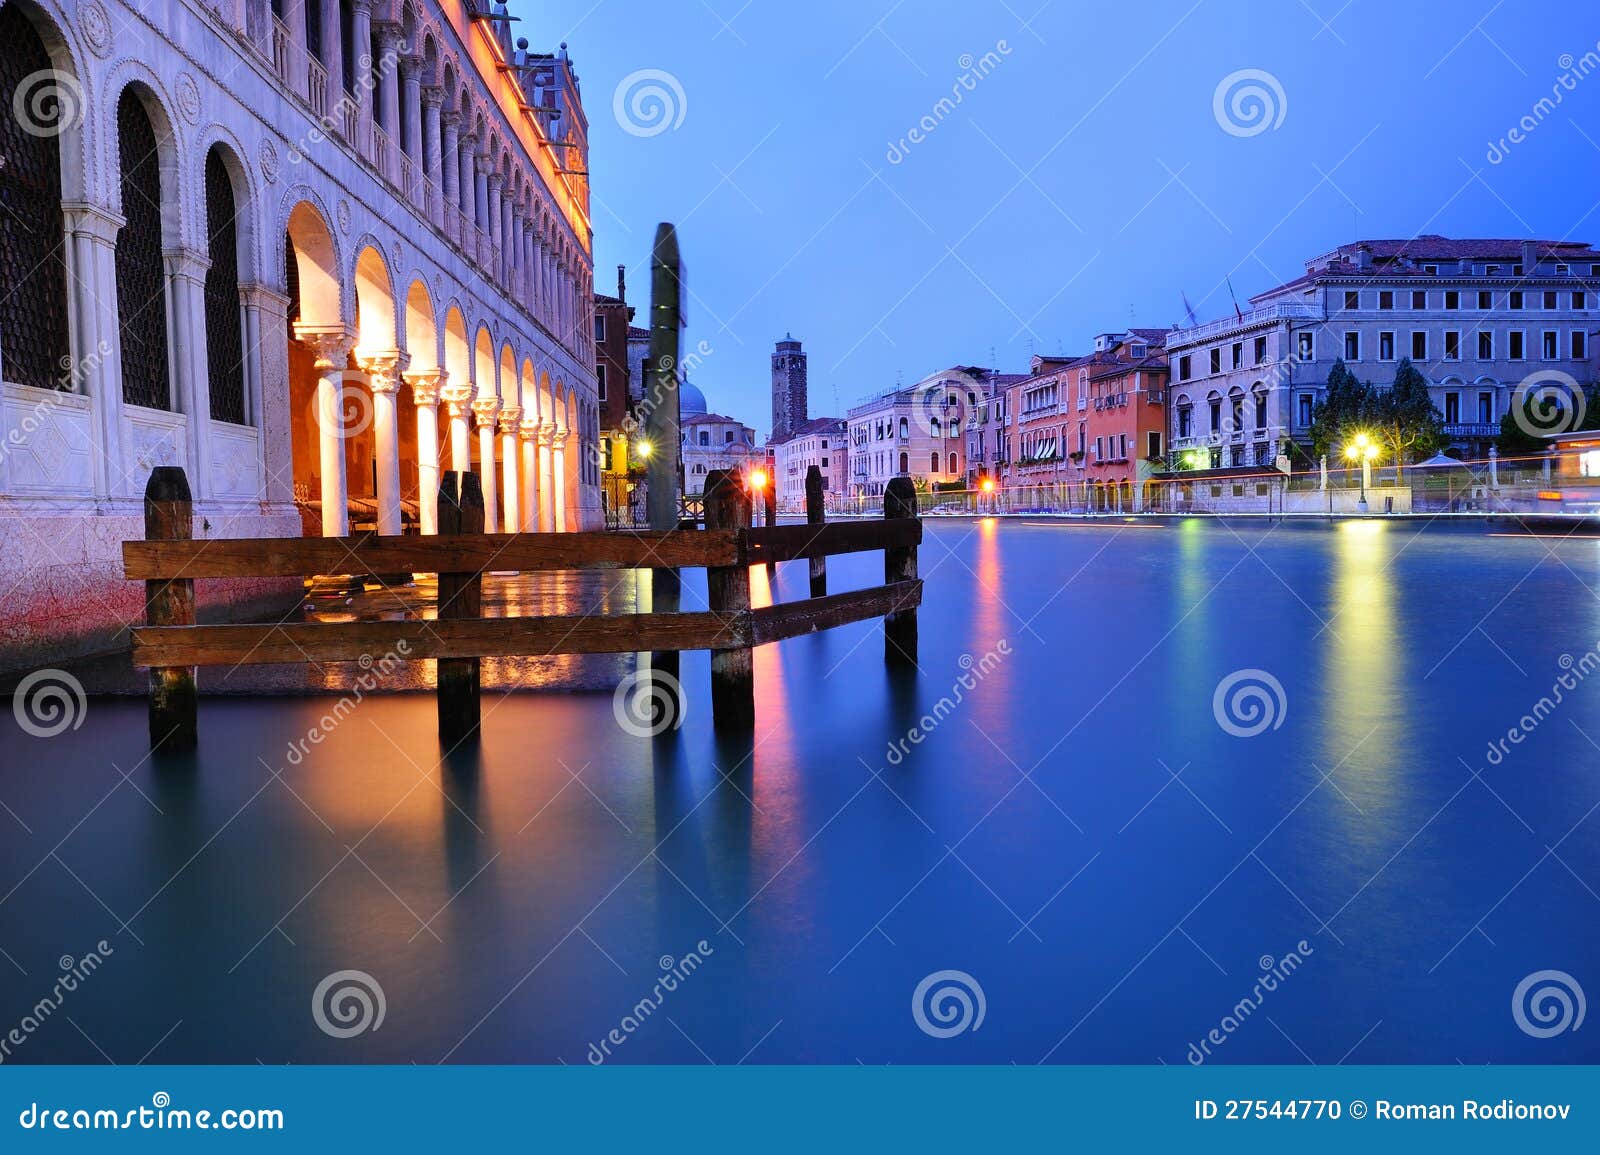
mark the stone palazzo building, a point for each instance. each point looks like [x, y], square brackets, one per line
[312, 251]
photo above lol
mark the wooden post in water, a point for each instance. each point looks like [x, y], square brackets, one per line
[900, 564]
[733, 697]
[169, 516]
[460, 596]
[816, 515]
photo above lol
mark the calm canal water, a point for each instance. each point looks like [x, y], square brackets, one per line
[1078, 833]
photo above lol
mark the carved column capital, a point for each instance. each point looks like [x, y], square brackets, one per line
[510, 419]
[383, 368]
[547, 433]
[485, 408]
[426, 385]
[330, 345]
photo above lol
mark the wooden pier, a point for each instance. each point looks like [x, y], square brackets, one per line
[171, 645]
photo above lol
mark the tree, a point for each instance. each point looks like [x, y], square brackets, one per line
[1404, 420]
[1346, 405]
[1528, 413]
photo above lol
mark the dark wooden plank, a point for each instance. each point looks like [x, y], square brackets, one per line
[412, 639]
[733, 692]
[457, 690]
[900, 565]
[792, 619]
[369, 553]
[816, 515]
[792, 542]
[169, 515]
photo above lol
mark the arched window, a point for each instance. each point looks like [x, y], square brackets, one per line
[141, 275]
[705, 437]
[934, 467]
[224, 322]
[905, 429]
[33, 272]
[905, 462]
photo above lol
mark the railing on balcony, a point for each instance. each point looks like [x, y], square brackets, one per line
[1262, 316]
[282, 51]
[408, 173]
[316, 86]
[380, 150]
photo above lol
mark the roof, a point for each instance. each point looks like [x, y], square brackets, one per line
[704, 418]
[637, 334]
[815, 425]
[1117, 367]
[1391, 259]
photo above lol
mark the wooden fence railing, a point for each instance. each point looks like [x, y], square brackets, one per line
[171, 645]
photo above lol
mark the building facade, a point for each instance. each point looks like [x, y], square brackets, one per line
[614, 396]
[917, 431]
[820, 442]
[789, 398]
[1478, 318]
[311, 275]
[712, 441]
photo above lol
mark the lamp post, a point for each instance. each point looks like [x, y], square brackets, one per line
[1362, 449]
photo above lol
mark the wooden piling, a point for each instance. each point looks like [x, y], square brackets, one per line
[169, 516]
[733, 698]
[816, 515]
[460, 596]
[900, 564]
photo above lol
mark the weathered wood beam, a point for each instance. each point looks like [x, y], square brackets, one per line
[792, 619]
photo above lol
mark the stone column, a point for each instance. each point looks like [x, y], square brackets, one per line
[467, 149]
[186, 281]
[547, 503]
[484, 409]
[411, 94]
[493, 182]
[96, 336]
[267, 311]
[510, 423]
[361, 76]
[458, 406]
[294, 21]
[480, 193]
[425, 385]
[450, 167]
[333, 61]
[528, 433]
[387, 67]
[558, 493]
[383, 371]
[536, 276]
[1494, 467]
[331, 347]
[432, 150]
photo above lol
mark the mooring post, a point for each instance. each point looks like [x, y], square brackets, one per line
[815, 515]
[733, 696]
[900, 564]
[169, 516]
[460, 596]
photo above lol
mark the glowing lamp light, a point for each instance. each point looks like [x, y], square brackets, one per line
[1192, 460]
[758, 479]
[642, 448]
[988, 485]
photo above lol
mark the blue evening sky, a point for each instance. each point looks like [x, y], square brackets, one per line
[1079, 187]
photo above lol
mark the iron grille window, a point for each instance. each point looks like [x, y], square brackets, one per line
[141, 277]
[224, 337]
[33, 271]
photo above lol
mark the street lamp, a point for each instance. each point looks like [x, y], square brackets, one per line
[1362, 449]
[641, 449]
[758, 480]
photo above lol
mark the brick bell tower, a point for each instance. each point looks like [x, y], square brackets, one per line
[788, 388]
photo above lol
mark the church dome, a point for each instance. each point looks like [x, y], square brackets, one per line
[690, 400]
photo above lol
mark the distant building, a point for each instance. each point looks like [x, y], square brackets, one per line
[820, 442]
[988, 429]
[789, 404]
[1119, 418]
[1476, 317]
[1040, 435]
[615, 391]
[711, 440]
[916, 431]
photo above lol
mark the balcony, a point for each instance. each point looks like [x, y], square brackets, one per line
[1472, 429]
[1266, 315]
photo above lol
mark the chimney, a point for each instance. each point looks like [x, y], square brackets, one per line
[1530, 256]
[622, 283]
